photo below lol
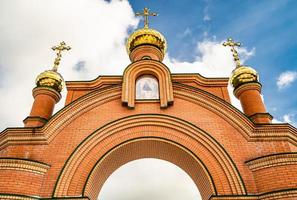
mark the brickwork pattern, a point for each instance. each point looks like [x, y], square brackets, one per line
[202, 126]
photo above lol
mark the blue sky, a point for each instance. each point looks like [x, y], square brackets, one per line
[97, 31]
[268, 26]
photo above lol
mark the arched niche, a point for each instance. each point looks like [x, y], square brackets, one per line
[147, 67]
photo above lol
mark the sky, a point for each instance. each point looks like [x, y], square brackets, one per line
[195, 29]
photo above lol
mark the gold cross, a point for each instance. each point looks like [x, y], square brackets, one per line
[61, 47]
[233, 44]
[146, 13]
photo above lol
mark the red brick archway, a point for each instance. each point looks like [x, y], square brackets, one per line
[154, 136]
[70, 156]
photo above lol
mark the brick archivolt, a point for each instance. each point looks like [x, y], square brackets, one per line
[221, 168]
[23, 165]
[147, 67]
[148, 147]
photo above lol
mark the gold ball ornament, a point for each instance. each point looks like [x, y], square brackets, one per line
[146, 36]
[51, 79]
[243, 74]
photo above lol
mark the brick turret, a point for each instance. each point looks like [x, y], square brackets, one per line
[46, 94]
[247, 89]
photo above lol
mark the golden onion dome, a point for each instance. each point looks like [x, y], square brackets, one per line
[51, 79]
[243, 74]
[146, 36]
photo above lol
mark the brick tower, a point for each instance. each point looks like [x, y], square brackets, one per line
[149, 112]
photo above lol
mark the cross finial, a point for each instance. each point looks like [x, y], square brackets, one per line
[233, 44]
[146, 13]
[59, 48]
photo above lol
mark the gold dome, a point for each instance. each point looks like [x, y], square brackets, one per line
[243, 74]
[146, 36]
[50, 79]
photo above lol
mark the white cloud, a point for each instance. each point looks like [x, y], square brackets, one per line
[95, 30]
[149, 179]
[276, 121]
[212, 60]
[97, 38]
[185, 33]
[285, 79]
[288, 118]
[206, 17]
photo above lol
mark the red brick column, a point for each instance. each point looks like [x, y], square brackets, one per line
[251, 101]
[43, 106]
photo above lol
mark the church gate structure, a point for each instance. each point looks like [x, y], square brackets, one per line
[148, 112]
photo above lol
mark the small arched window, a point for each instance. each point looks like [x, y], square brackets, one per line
[147, 87]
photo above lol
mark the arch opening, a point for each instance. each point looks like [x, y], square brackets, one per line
[149, 148]
[149, 178]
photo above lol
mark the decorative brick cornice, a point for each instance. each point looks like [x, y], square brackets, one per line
[18, 136]
[290, 193]
[275, 195]
[23, 165]
[251, 131]
[272, 161]
[200, 80]
[17, 197]
[25, 197]
[94, 84]
[261, 115]
[234, 197]
[35, 118]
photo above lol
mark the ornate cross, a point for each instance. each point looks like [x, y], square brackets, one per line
[146, 13]
[61, 47]
[233, 44]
